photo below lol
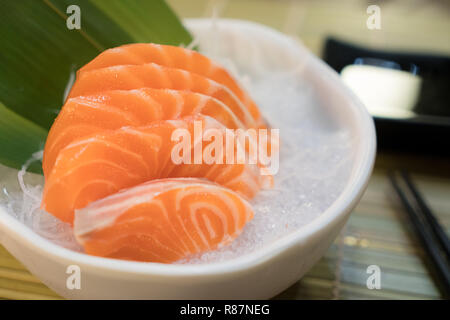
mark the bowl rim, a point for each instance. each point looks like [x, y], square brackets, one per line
[353, 190]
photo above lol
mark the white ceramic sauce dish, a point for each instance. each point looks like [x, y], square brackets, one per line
[260, 274]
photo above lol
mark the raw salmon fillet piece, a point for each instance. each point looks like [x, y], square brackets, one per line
[162, 220]
[173, 57]
[152, 75]
[99, 165]
[82, 116]
[115, 166]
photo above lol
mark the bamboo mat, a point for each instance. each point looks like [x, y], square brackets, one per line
[16, 282]
[377, 233]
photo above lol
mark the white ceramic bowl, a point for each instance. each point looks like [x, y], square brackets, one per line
[259, 275]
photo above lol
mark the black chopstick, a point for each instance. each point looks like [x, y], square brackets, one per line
[432, 246]
[434, 224]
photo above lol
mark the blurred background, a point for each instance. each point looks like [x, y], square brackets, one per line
[411, 35]
[419, 25]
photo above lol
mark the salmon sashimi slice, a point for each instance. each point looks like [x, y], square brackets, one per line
[162, 220]
[152, 75]
[82, 116]
[173, 57]
[99, 165]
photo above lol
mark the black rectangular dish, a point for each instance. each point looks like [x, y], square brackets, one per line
[429, 130]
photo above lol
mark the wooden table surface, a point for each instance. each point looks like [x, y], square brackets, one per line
[378, 231]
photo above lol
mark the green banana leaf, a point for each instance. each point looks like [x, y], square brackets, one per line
[39, 56]
[19, 137]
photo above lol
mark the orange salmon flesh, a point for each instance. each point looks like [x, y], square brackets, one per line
[108, 162]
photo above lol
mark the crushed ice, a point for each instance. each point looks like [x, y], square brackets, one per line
[22, 199]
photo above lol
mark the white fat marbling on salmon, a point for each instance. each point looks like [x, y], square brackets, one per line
[105, 212]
